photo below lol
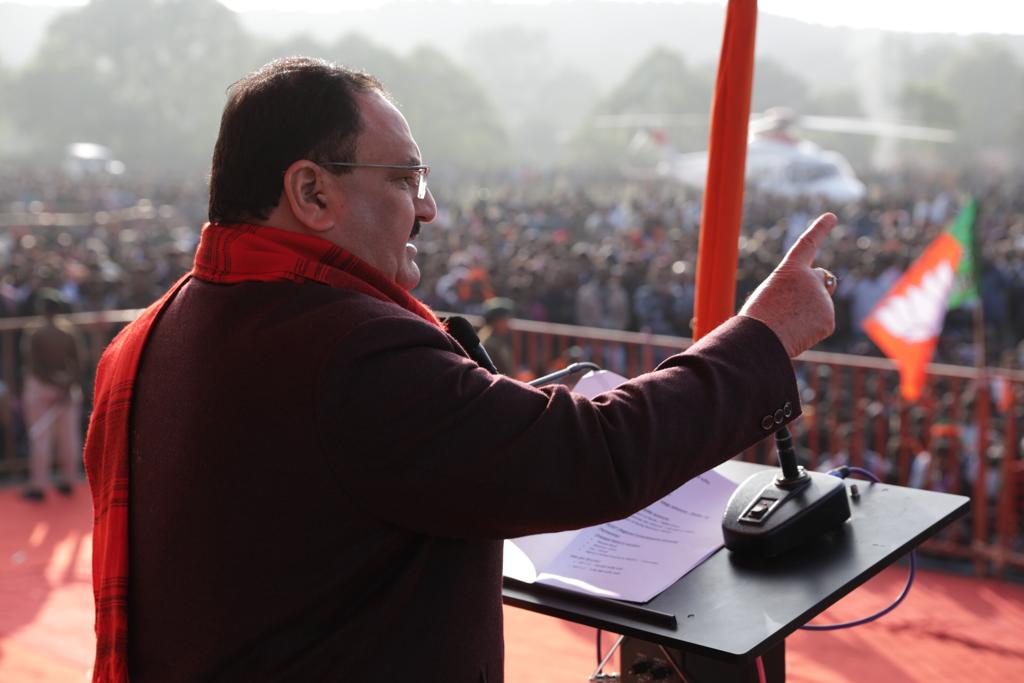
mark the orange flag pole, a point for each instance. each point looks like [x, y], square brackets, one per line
[727, 157]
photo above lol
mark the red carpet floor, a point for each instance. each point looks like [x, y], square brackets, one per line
[949, 628]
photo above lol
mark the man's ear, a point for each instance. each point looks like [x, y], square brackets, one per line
[306, 192]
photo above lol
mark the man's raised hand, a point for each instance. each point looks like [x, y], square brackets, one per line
[795, 301]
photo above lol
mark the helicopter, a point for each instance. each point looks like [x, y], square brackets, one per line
[779, 160]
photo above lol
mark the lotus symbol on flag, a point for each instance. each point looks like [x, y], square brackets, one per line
[916, 313]
[907, 322]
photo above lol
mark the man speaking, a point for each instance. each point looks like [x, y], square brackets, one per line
[299, 475]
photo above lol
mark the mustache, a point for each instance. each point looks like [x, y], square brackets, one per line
[415, 228]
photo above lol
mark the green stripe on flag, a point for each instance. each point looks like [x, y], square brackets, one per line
[965, 289]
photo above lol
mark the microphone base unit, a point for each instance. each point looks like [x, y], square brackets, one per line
[768, 514]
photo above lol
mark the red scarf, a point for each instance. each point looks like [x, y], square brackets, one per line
[226, 254]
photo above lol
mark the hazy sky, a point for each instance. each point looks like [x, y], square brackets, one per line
[952, 16]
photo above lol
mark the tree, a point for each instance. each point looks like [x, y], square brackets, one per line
[299, 45]
[987, 83]
[929, 104]
[837, 102]
[560, 103]
[144, 77]
[449, 113]
[148, 78]
[452, 118]
[928, 63]
[775, 86]
[840, 102]
[512, 60]
[5, 123]
[359, 52]
[538, 102]
[661, 85]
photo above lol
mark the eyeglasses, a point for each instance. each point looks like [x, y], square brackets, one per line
[421, 172]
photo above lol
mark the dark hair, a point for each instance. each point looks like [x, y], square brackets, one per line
[290, 109]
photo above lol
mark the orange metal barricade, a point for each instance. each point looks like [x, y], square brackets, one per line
[963, 437]
[959, 438]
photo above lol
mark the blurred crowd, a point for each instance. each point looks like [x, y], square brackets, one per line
[103, 242]
[623, 256]
[594, 252]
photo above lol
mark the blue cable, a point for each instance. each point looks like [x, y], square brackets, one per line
[842, 473]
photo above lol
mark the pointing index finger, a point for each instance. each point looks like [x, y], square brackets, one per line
[806, 247]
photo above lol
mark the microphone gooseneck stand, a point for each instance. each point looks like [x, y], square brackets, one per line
[771, 512]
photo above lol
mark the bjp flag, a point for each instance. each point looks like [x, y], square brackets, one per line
[907, 322]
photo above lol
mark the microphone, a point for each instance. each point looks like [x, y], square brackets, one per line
[463, 332]
[771, 512]
[792, 474]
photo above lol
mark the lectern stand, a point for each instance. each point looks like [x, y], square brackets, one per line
[731, 610]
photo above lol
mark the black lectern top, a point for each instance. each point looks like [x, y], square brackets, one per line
[733, 606]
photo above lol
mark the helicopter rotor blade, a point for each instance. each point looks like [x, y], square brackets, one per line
[885, 129]
[649, 120]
